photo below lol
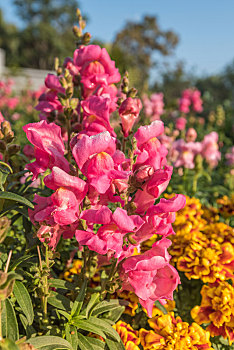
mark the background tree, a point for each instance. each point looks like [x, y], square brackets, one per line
[47, 31]
[138, 42]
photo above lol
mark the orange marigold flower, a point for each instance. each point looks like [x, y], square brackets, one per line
[132, 299]
[128, 335]
[170, 333]
[217, 309]
[226, 206]
[74, 270]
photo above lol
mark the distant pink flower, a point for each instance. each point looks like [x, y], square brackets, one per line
[153, 106]
[1, 118]
[191, 135]
[181, 123]
[190, 98]
[210, 149]
[129, 111]
[230, 157]
[150, 276]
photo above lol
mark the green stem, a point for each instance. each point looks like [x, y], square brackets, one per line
[46, 289]
[68, 139]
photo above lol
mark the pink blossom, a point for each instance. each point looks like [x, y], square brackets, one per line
[150, 276]
[50, 235]
[49, 147]
[210, 149]
[129, 111]
[191, 135]
[109, 237]
[153, 106]
[181, 123]
[95, 67]
[52, 82]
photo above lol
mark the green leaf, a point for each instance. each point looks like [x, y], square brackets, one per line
[105, 306]
[77, 305]
[83, 343]
[20, 261]
[9, 323]
[65, 314]
[93, 300]
[58, 283]
[60, 301]
[96, 343]
[24, 300]
[5, 170]
[105, 327]
[160, 307]
[49, 342]
[114, 314]
[15, 197]
[74, 337]
[113, 345]
[86, 325]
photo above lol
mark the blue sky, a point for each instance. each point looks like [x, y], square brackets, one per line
[205, 27]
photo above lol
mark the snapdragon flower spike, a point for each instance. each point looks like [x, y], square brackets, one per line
[95, 67]
[49, 147]
[150, 276]
[159, 217]
[109, 237]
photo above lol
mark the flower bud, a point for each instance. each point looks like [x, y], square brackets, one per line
[86, 38]
[2, 146]
[13, 149]
[144, 173]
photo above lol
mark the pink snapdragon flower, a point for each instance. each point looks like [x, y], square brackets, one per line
[181, 123]
[96, 112]
[210, 149]
[190, 97]
[191, 135]
[129, 111]
[150, 276]
[159, 217]
[52, 82]
[49, 147]
[109, 237]
[93, 155]
[153, 106]
[95, 67]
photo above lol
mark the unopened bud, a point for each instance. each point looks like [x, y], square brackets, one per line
[13, 149]
[77, 31]
[198, 162]
[86, 38]
[2, 146]
[82, 23]
[56, 63]
[132, 93]
[9, 137]
[69, 91]
[63, 82]
[6, 127]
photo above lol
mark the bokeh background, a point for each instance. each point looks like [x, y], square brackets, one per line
[165, 45]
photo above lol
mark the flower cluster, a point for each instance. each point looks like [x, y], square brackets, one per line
[170, 333]
[128, 335]
[182, 153]
[191, 99]
[153, 106]
[217, 310]
[201, 249]
[100, 196]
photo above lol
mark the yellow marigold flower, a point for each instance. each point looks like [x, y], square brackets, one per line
[131, 308]
[170, 333]
[211, 214]
[128, 335]
[226, 206]
[217, 309]
[74, 270]
[219, 232]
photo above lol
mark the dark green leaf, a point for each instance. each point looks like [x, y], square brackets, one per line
[93, 300]
[160, 307]
[24, 300]
[77, 305]
[86, 325]
[9, 323]
[58, 283]
[15, 197]
[60, 301]
[20, 261]
[105, 306]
